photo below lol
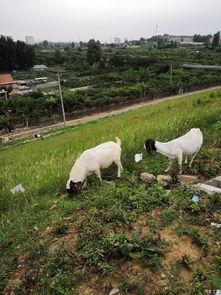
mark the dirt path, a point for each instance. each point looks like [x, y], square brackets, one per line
[102, 115]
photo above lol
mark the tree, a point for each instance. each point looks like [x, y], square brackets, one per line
[45, 43]
[15, 55]
[58, 57]
[5, 124]
[93, 51]
[216, 38]
[201, 38]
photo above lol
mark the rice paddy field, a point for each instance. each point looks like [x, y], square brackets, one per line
[123, 236]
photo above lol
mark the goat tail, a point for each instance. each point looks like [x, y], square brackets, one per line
[118, 141]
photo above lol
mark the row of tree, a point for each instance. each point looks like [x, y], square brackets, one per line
[15, 55]
[135, 84]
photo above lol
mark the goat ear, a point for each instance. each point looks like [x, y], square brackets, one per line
[71, 184]
[150, 145]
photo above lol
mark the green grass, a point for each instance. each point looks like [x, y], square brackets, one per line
[42, 167]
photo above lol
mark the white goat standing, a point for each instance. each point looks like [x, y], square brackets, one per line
[186, 145]
[91, 161]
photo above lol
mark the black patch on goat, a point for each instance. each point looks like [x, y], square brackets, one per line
[150, 145]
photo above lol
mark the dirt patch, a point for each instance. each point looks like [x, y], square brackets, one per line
[186, 275]
[214, 149]
[146, 279]
[125, 276]
[70, 237]
[179, 246]
[18, 275]
[156, 212]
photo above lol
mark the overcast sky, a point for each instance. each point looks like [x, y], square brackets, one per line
[74, 20]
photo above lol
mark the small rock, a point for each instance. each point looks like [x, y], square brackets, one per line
[68, 218]
[147, 177]
[218, 225]
[189, 179]
[115, 290]
[209, 189]
[4, 139]
[164, 180]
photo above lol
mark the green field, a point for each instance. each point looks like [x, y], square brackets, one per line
[113, 234]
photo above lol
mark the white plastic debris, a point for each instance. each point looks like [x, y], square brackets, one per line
[115, 290]
[138, 157]
[17, 189]
[218, 225]
[210, 292]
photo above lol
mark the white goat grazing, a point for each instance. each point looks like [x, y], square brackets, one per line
[91, 161]
[186, 145]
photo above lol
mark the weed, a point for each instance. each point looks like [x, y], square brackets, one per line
[131, 288]
[168, 216]
[186, 262]
[197, 238]
[174, 285]
[200, 240]
[6, 269]
[215, 282]
[60, 229]
[197, 207]
[197, 287]
[217, 263]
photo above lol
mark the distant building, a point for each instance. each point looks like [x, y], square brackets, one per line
[117, 40]
[179, 39]
[30, 40]
[3, 93]
[37, 68]
[6, 81]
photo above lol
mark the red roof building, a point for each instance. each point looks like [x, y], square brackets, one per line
[6, 80]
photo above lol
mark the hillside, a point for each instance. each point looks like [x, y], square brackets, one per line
[124, 234]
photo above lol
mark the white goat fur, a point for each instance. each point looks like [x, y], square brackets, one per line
[94, 159]
[188, 144]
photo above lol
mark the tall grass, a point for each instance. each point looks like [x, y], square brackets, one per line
[42, 167]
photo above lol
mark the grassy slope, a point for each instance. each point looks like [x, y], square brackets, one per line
[103, 218]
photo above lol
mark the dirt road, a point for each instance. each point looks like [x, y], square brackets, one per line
[101, 115]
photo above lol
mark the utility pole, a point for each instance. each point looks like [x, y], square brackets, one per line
[171, 74]
[62, 105]
[157, 36]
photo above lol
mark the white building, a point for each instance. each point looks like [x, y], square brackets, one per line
[117, 40]
[37, 68]
[30, 40]
[179, 39]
